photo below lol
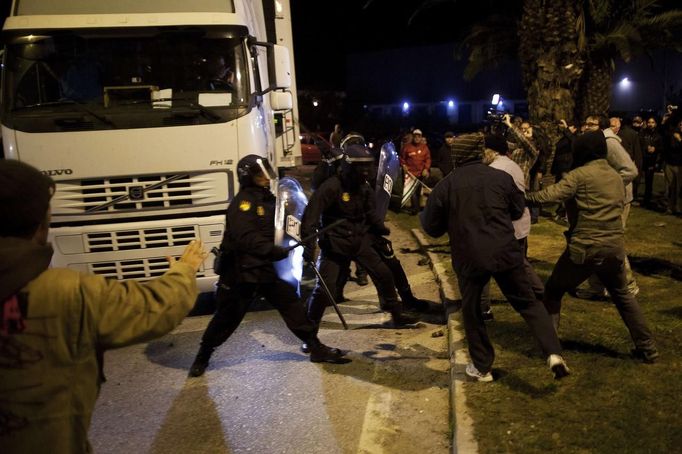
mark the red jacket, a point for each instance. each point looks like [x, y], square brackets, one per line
[416, 158]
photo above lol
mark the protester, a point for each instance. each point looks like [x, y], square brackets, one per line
[653, 147]
[593, 193]
[475, 204]
[57, 322]
[247, 271]
[496, 156]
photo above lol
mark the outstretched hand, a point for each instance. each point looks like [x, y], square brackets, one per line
[193, 255]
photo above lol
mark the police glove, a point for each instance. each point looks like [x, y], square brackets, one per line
[308, 253]
[278, 253]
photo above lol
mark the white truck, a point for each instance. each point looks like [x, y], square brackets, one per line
[140, 111]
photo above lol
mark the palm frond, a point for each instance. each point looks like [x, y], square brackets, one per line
[427, 4]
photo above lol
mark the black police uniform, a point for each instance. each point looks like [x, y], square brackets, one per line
[248, 253]
[345, 198]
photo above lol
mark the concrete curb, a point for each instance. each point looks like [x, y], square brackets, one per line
[462, 425]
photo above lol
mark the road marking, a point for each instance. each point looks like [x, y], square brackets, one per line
[374, 426]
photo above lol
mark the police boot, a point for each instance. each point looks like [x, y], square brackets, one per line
[361, 276]
[411, 303]
[401, 319]
[200, 362]
[320, 353]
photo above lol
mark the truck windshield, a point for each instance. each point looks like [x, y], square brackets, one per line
[124, 79]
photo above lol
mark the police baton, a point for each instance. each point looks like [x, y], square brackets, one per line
[329, 295]
[313, 235]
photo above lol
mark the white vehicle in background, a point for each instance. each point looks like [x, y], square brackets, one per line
[140, 111]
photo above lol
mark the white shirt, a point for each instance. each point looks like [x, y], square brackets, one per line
[503, 163]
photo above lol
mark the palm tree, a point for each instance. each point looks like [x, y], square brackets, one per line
[612, 30]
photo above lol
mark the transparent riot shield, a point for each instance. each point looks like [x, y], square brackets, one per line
[388, 170]
[291, 202]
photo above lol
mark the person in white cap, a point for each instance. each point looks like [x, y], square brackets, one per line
[415, 158]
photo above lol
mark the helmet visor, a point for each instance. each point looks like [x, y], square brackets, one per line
[266, 168]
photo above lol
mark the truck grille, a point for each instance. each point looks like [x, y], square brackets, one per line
[116, 194]
[137, 269]
[123, 240]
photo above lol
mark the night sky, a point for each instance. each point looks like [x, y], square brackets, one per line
[325, 32]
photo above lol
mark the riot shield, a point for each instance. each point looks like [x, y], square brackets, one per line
[387, 171]
[291, 202]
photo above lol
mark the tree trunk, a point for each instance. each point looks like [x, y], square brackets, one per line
[551, 62]
[594, 93]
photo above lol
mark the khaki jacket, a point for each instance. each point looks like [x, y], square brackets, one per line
[594, 204]
[50, 379]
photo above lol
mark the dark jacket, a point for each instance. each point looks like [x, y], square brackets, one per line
[632, 143]
[443, 159]
[250, 237]
[673, 154]
[654, 139]
[563, 155]
[475, 205]
[335, 200]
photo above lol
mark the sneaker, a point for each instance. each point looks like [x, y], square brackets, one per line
[323, 354]
[649, 356]
[558, 366]
[474, 373]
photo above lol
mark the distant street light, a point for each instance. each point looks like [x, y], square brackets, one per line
[315, 103]
[496, 99]
[451, 104]
[406, 106]
[625, 83]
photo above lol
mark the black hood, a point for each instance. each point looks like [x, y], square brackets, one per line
[21, 261]
[588, 147]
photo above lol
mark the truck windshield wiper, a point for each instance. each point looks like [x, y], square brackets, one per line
[72, 102]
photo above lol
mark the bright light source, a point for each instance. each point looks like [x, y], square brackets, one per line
[278, 7]
[315, 103]
[406, 106]
[496, 99]
[451, 104]
[625, 83]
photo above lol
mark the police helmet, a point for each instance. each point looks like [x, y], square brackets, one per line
[332, 155]
[356, 153]
[352, 138]
[251, 165]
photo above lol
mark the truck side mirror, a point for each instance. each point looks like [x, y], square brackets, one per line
[279, 65]
[280, 68]
[281, 100]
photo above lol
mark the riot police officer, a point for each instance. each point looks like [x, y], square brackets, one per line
[349, 197]
[247, 271]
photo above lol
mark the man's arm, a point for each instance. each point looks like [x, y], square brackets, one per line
[129, 312]
[559, 192]
[434, 217]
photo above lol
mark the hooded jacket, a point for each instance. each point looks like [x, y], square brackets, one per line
[620, 160]
[49, 371]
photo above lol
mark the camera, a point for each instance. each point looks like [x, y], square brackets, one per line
[494, 116]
